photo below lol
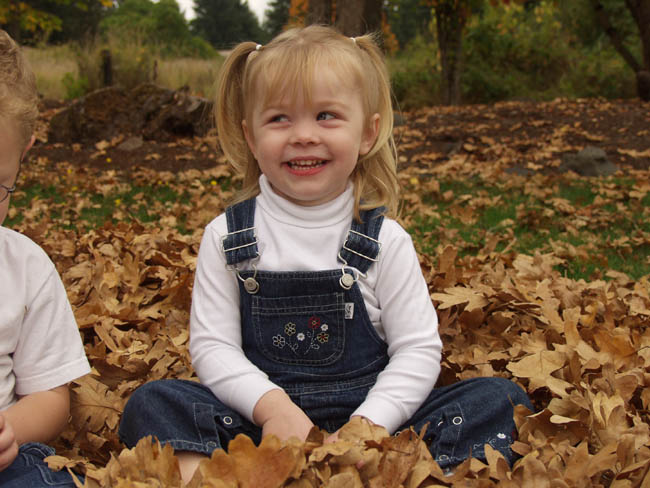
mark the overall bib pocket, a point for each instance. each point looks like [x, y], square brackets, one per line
[302, 330]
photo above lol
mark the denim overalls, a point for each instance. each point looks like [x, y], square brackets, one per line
[310, 332]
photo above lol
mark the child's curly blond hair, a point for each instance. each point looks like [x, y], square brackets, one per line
[18, 95]
[289, 64]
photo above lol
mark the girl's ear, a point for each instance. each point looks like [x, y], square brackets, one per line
[369, 135]
[249, 138]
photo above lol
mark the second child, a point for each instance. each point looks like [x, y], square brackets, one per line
[40, 346]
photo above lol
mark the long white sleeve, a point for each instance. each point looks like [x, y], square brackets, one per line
[215, 332]
[410, 328]
[294, 238]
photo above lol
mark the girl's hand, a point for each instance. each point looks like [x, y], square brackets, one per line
[276, 413]
[8, 444]
[285, 425]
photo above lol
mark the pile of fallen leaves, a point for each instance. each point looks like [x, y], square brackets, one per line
[580, 349]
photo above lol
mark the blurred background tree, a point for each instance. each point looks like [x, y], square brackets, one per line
[224, 23]
[408, 19]
[276, 16]
[159, 24]
[613, 21]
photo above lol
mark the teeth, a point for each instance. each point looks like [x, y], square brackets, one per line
[311, 163]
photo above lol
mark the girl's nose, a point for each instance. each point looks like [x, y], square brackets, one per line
[304, 132]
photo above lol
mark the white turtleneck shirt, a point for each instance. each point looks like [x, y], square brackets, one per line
[301, 238]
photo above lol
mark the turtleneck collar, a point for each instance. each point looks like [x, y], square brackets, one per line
[327, 214]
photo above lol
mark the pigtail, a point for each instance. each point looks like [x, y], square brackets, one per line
[375, 179]
[230, 112]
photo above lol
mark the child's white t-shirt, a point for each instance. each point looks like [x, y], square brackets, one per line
[297, 238]
[40, 345]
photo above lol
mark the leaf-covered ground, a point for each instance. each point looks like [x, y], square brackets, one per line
[581, 348]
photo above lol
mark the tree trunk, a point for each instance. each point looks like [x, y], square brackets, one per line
[349, 17]
[319, 12]
[450, 23]
[353, 17]
[640, 10]
[614, 36]
[372, 14]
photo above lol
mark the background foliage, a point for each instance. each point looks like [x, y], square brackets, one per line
[532, 49]
[160, 25]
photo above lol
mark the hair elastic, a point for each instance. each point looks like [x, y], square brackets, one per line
[258, 47]
[354, 39]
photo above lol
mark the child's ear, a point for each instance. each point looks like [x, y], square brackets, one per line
[249, 137]
[369, 135]
[29, 146]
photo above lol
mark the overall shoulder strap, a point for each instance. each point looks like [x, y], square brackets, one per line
[361, 246]
[240, 244]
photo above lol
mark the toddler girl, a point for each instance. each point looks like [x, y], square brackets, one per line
[309, 305]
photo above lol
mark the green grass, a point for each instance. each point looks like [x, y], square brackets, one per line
[579, 194]
[145, 204]
[572, 217]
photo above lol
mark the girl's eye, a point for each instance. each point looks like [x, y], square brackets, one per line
[325, 116]
[279, 118]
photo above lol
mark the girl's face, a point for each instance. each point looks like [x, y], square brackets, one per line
[308, 149]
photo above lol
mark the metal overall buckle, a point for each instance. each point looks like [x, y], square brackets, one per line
[347, 280]
[251, 285]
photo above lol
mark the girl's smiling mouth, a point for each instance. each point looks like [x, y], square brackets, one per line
[305, 166]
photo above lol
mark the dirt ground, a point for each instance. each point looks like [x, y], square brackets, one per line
[536, 136]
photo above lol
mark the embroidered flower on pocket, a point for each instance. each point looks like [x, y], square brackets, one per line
[279, 341]
[324, 327]
[300, 336]
[314, 322]
[323, 337]
[290, 329]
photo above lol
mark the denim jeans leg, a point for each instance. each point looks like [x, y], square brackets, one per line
[29, 470]
[183, 414]
[465, 416]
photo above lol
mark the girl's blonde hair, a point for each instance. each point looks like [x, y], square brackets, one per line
[18, 95]
[254, 74]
